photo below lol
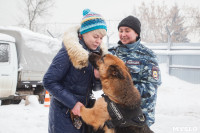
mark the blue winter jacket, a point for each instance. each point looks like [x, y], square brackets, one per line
[69, 80]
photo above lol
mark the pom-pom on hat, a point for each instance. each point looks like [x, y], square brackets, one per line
[131, 22]
[91, 21]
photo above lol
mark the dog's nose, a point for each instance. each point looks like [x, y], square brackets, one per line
[96, 52]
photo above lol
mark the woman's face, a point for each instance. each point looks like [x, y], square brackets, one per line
[92, 40]
[127, 35]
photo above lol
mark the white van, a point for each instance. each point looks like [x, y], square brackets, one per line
[24, 59]
[8, 66]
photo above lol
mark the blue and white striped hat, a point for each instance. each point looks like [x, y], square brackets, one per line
[91, 21]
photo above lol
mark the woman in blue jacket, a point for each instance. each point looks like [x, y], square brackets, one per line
[69, 78]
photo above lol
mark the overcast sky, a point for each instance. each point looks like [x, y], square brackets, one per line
[71, 10]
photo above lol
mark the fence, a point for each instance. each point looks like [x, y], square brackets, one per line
[182, 59]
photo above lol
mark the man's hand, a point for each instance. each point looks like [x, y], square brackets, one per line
[76, 109]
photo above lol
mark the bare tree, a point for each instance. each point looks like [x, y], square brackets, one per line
[155, 18]
[198, 22]
[175, 24]
[35, 9]
[193, 18]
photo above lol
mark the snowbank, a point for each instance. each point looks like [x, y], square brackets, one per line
[178, 107]
[32, 118]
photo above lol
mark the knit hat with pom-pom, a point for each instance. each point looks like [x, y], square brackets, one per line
[91, 21]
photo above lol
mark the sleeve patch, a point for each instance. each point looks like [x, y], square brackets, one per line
[155, 73]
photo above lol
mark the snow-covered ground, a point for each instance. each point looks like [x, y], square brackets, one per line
[178, 106]
[177, 110]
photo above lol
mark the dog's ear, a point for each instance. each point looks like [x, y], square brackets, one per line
[115, 71]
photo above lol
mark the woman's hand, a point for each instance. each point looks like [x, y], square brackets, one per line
[96, 73]
[76, 109]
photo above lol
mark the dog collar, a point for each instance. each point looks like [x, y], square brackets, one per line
[123, 116]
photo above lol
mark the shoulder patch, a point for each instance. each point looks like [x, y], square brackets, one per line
[155, 74]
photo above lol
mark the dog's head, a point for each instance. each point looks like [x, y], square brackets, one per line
[113, 72]
[109, 66]
[116, 79]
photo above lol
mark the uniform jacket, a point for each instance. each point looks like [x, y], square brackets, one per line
[145, 72]
[68, 80]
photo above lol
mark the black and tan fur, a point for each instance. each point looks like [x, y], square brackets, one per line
[118, 86]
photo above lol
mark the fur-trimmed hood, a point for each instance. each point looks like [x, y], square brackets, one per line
[77, 54]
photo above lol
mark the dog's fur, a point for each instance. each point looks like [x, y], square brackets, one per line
[117, 84]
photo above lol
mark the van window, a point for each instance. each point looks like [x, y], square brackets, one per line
[4, 52]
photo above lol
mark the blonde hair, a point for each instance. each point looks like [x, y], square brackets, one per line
[99, 31]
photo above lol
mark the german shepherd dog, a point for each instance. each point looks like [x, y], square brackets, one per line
[118, 87]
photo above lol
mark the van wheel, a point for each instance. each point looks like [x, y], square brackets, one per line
[41, 98]
[40, 91]
[6, 102]
[16, 101]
